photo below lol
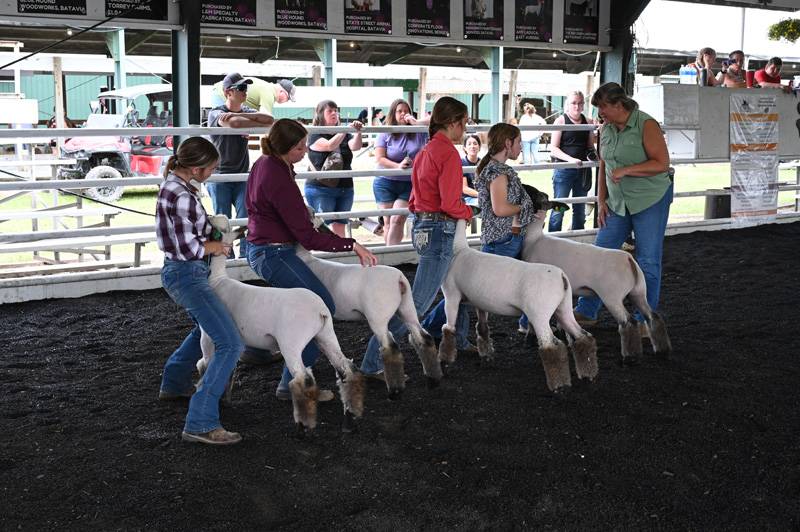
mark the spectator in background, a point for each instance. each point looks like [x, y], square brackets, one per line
[732, 73]
[769, 77]
[706, 57]
[472, 146]
[261, 95]
[571, 147]
[233, 155]
[332, 194]
[377, 117]
[396, 150]
[530, 139]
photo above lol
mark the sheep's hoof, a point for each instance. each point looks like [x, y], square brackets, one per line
[300, 431]
[432, 383]
[349, 425]
[487, 362]
[630, 361]
[445, 369]
[562, 391]
[395, 393]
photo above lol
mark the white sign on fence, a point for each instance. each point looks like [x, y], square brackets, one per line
[754, 158]
[19, 111]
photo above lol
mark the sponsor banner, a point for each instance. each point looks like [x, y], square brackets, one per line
[302, 14]
[231, 12]
[533, 20]
[428, 18]
[581, 21]
[52, 7]
[754, 158]
[137, 9]
[483, 19]
[368, 16]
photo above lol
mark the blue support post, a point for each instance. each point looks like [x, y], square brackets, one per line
[494, 59]
[115, 41]
[186, 69]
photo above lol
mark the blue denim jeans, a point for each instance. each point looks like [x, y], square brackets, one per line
[280, 267]
[223, 195]
[569, 182]
[186, 282]
[648, 227]
[433, 242]
[530, 151]
[329, 199]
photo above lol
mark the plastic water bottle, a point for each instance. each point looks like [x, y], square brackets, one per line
[692, 75]
[684, 77]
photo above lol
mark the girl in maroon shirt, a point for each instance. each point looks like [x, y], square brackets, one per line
[278, 219]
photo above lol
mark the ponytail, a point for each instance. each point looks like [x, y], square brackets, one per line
[266, 149]
[172, 163]
[483, 162]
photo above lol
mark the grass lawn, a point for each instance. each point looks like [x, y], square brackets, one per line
[687, 178]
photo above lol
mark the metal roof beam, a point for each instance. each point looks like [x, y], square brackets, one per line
[397, 55]
[137, 40]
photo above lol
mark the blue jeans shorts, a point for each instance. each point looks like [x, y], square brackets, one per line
[389, 190]
[330, 199]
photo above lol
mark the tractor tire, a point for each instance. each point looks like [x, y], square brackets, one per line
[110, 193]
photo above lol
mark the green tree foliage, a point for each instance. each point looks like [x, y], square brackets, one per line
[788, 29]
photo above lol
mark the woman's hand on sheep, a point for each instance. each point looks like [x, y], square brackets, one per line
[365, 256]
[214, 247]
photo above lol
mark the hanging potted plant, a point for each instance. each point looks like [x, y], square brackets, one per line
[788, 29]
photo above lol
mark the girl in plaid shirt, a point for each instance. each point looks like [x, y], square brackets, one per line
[184, 232]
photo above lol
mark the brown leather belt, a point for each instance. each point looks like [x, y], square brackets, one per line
[434, 216]
[516, 230]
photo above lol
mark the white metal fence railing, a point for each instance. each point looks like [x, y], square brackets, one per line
[95, 235]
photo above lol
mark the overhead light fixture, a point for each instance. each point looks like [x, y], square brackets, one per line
[352, 44]
[555, 54]
[458, 49]
[69, 32]
[227, 38]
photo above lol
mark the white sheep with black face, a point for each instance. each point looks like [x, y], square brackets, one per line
[510, 287]
[285, 319]
[611, 274]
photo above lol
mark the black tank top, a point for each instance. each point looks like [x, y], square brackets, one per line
[573, 143]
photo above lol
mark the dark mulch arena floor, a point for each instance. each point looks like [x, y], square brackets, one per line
[705, 440]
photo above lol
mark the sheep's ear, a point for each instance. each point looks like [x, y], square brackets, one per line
[322, 227]
[220, 222]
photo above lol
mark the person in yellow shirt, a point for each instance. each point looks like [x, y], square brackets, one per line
[261, 95]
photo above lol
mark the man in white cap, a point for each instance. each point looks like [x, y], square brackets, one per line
[261, 95]
[233, 155]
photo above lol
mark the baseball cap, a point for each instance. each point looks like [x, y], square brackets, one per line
[234, 79]
[288, 86]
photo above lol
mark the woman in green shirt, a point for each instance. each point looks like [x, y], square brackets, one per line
[636, 192]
